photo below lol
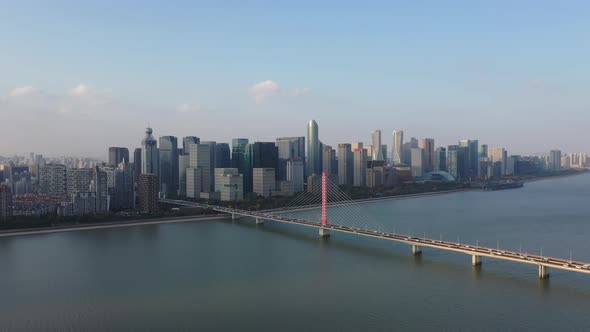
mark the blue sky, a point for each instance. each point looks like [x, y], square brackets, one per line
[503, 72]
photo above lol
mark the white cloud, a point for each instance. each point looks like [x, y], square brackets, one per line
[264, 90]
[81, 90]
[80, 99]
[188, 108]
[299, 92]
[23, 91]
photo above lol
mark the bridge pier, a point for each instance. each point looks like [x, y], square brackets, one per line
[416, 250]
[324, 232]
[259, 221]
[475, 260]
[543, 272]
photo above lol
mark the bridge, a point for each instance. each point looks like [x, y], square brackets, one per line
[303, 211]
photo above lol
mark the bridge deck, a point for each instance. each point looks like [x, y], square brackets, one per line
[556, 263]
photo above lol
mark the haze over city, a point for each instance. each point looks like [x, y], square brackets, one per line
[79, 77]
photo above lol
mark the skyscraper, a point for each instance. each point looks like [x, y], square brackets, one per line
[183, 164]
[440, 159]
[259, 155]
[149, 154]
[360, 167]
[295, 170]
[417, 157]
[452, 160]
[118, 155]
[136, 165]
[291, 147]
[483, 151]
[345, 164]
[212, 158]
[498, 155]
[168, 156]
[472, 156]
[376, 139]
[198, 175]
[238, 156]
[222, 155]
[396, 148]
[329, 161]
[186, 141]
[428, 148]
[555, 160]
[313, 165]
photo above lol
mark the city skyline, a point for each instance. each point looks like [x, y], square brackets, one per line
[499, 74]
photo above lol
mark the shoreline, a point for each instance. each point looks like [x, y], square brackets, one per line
[116, 224]
[171, 220]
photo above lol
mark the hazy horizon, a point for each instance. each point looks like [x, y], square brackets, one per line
[80, 77]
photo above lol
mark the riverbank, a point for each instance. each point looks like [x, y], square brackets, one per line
[554, 176]
[81, 227]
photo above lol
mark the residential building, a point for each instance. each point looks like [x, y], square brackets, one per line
[5, 202]
[148, 190]
[53, 180]
[554, 163]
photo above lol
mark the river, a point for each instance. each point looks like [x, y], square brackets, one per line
[224, 275]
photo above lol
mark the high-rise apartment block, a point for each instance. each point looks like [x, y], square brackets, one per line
[148, 189]
[5, 202]
[554, 163]
[53, 180]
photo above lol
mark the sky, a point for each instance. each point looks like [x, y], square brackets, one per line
[79, 76]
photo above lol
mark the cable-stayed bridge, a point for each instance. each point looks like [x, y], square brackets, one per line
[328, 209]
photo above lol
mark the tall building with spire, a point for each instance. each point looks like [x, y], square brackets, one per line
[377, 153]
[396, 149]
[313, 161]
[149, 154]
